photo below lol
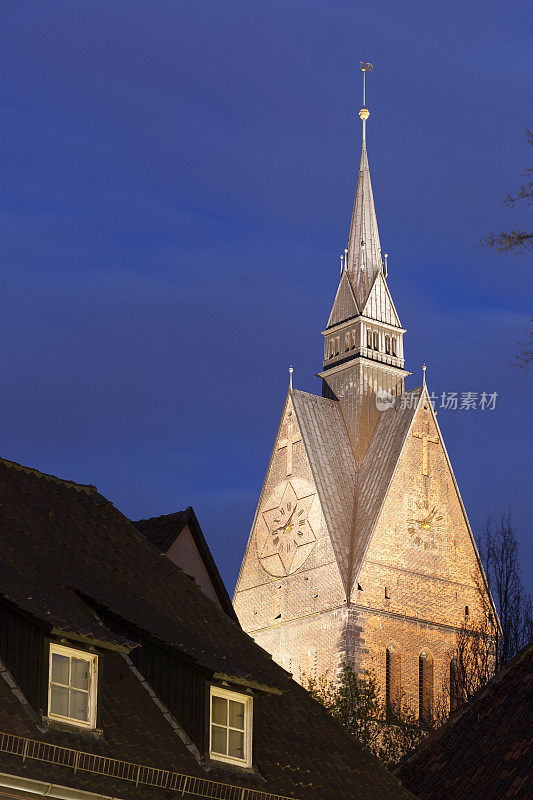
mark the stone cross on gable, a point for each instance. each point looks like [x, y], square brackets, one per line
[426, 438]
[290, 439]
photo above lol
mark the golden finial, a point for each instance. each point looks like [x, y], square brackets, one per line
[364, 112]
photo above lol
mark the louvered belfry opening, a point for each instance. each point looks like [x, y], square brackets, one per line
[425, 687]
[393, 681]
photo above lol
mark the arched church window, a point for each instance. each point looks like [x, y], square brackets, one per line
[454, 685]
[337, 345]
[387, 345]
[331, 348]
[425, 687]
[376, 340]
[393, 680]
[347, 341]
[353, 340]
[369, 339]
[393, 345]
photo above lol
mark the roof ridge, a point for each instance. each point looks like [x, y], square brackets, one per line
[88, 488]
[161, 516]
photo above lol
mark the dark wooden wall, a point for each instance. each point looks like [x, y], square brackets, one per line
[22, 649]
[178, 684]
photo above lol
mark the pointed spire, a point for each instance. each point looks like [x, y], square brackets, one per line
[364, 250]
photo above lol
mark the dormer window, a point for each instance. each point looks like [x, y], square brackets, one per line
[376, 340]
[72, 686]
[230, 729]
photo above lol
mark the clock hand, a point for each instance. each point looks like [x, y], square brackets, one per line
[284, 527]
[292, 515]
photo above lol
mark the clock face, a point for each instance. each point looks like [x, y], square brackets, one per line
[287, 527]
[425, 522]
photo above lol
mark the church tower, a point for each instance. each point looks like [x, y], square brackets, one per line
[363, 348]
[360, 550]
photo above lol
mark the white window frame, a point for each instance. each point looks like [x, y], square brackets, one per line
[217, 691]
[71, 652]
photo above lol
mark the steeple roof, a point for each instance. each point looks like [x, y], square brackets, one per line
[364, 249]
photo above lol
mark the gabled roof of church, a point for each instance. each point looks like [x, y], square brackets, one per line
[379, 304]
[351, 499]
[364, 249]
[74, 568]
[163, 531]
[485, 750]
[333, 465]
[345, 305]
[377, 469]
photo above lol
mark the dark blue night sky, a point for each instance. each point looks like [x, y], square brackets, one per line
[177, 182]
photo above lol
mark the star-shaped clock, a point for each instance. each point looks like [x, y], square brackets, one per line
[286, 528]
[424, 523]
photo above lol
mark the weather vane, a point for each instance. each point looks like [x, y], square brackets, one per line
[364, 69]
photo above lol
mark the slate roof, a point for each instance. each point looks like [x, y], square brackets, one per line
[345, 304]
[334, 468]
[364, 249]
[61, 544]
[163, 531]
[351, 499]
[485, 751]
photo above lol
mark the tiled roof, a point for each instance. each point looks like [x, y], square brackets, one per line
[334, 468]
[162, 531]
[60, 543]
[485, 751]
[377, 469]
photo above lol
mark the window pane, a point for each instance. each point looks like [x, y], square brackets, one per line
[60, 668]
[236, 744]
[78, 705]
[79, 674]
[219, 710]
[218, 740]
[236, 715]
[59, 700]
